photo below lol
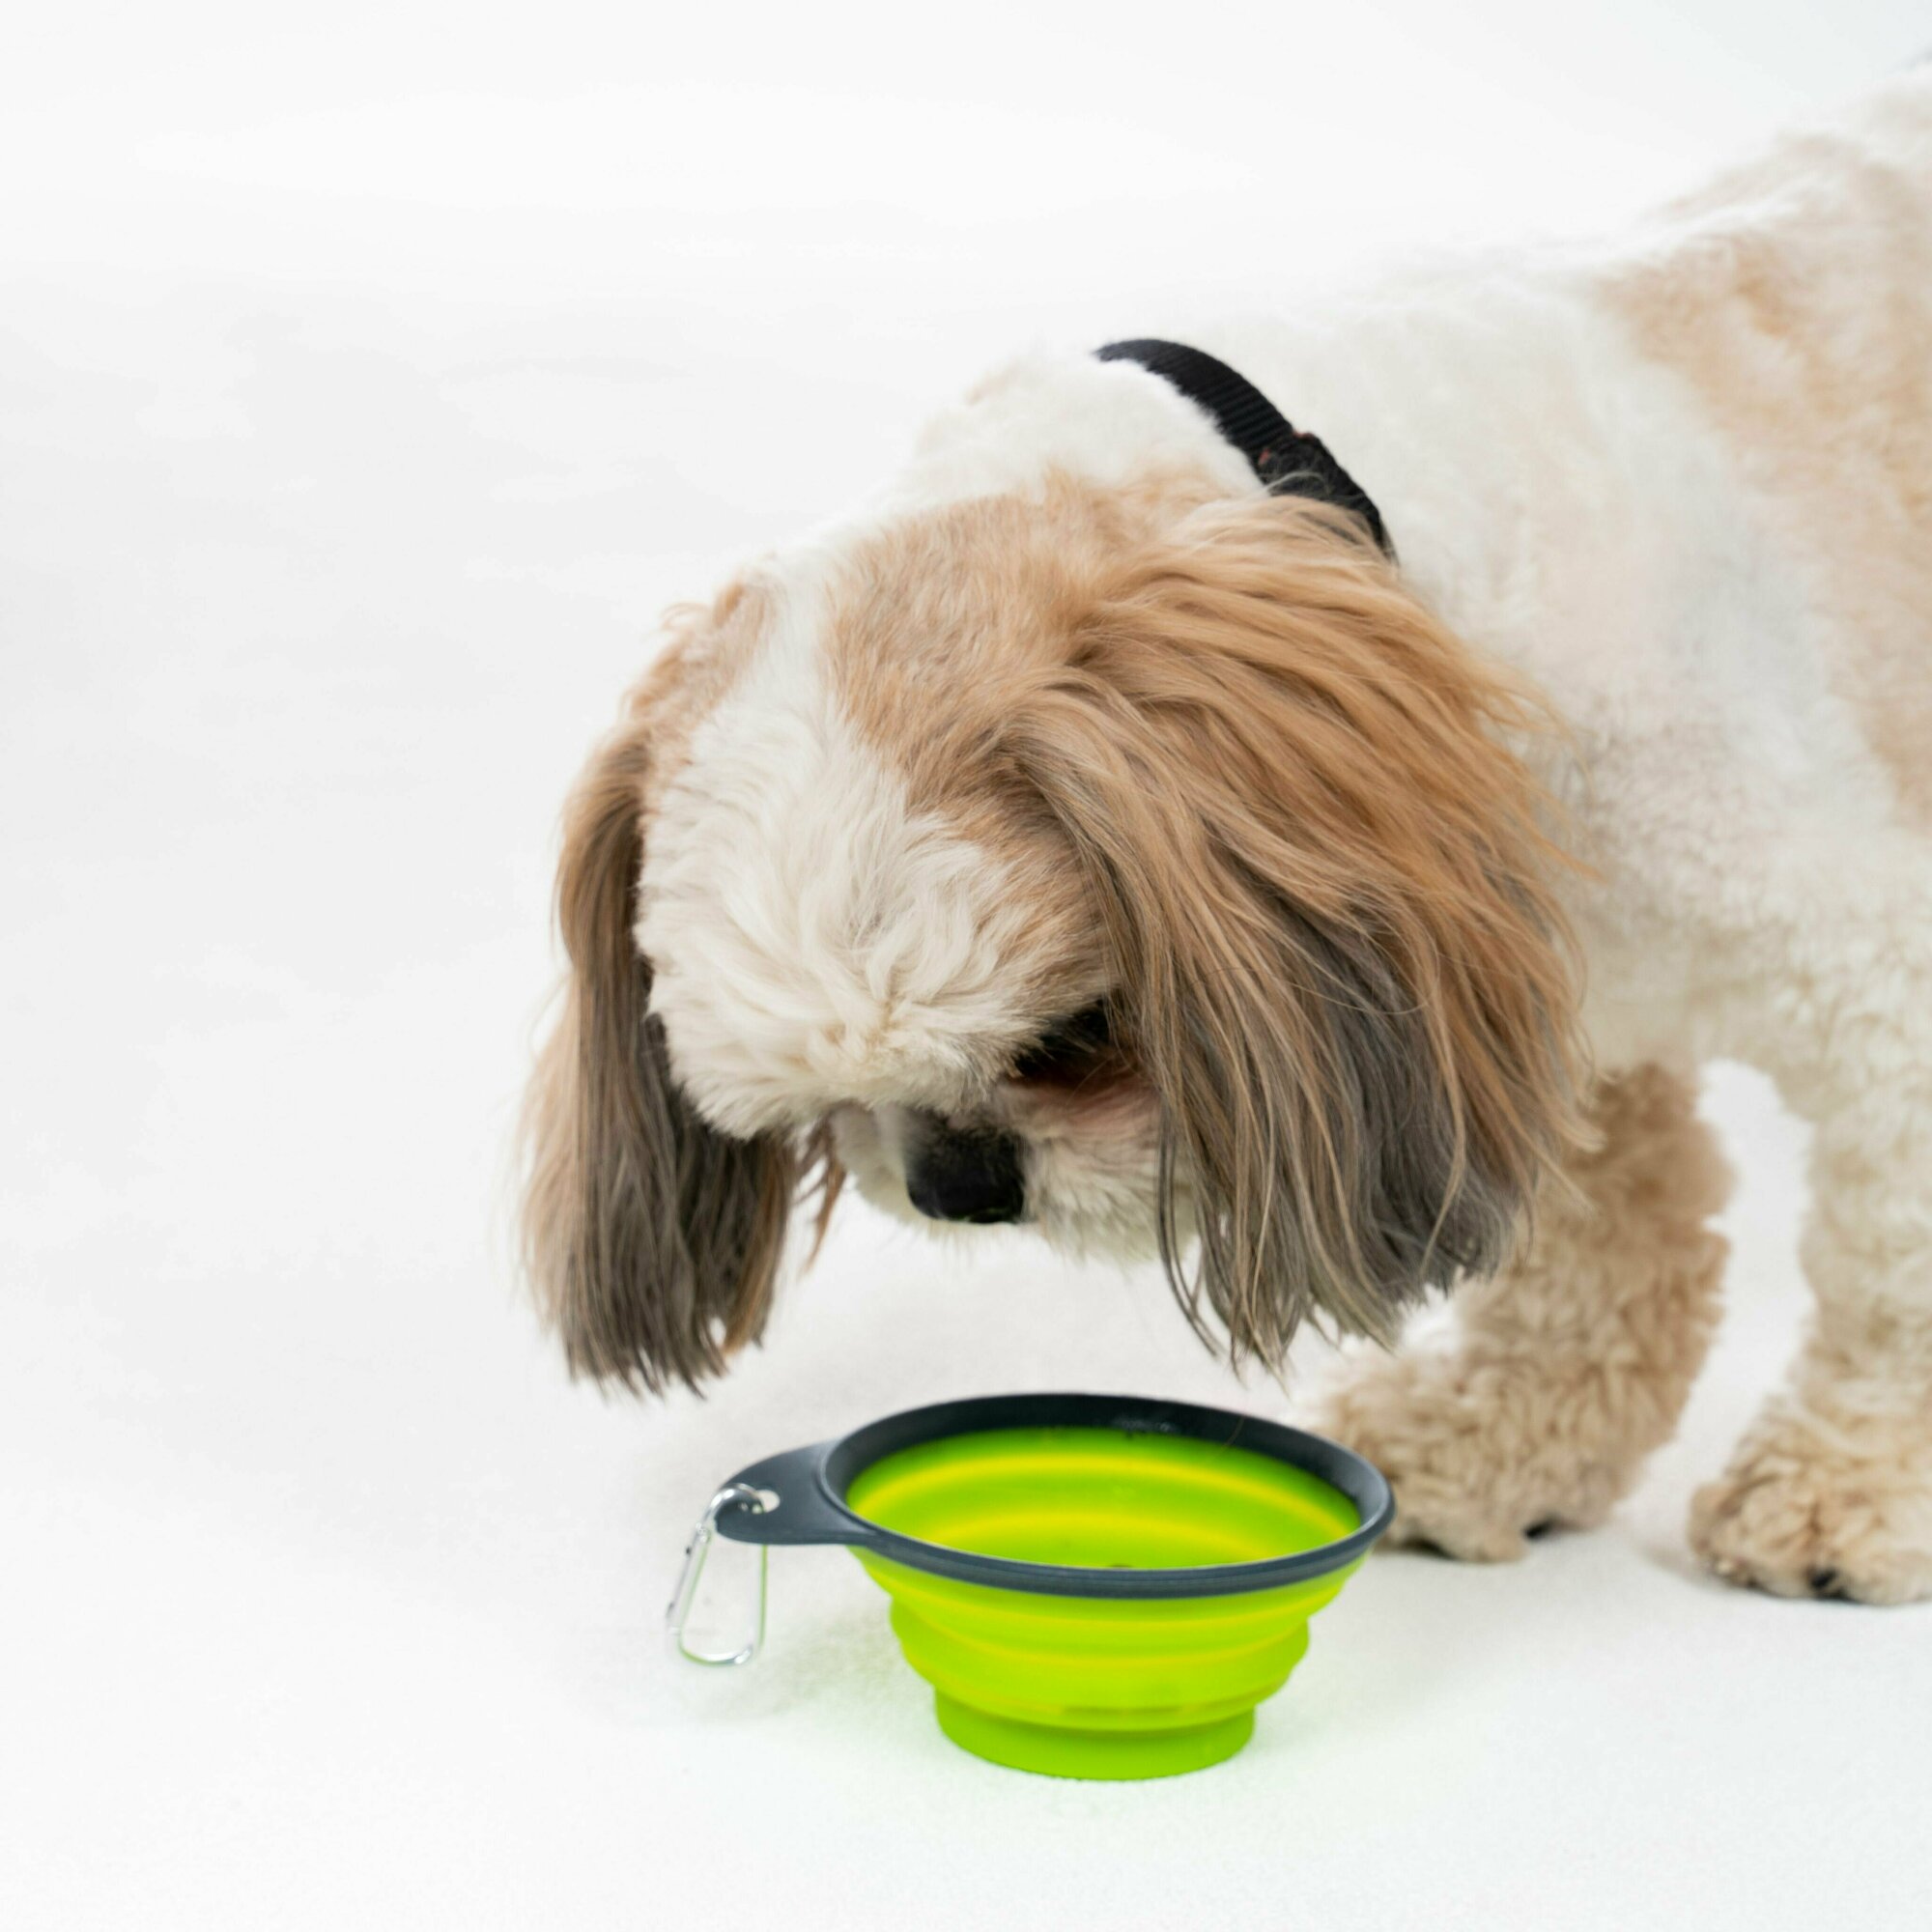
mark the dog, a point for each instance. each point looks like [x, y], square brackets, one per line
[1322, 855]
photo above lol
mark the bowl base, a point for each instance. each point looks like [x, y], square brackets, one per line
[1058, 1752]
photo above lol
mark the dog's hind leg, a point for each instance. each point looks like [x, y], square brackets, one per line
[1537, 1403]
[1829, 1493]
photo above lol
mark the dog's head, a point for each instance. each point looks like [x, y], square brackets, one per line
[1146, 867]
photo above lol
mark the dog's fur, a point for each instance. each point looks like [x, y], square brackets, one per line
[1335, 930]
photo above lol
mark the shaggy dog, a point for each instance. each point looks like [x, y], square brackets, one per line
[1330, 879]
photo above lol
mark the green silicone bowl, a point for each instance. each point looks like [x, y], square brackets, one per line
[1095, 1586]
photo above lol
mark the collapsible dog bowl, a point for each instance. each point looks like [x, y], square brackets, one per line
[1095, 1586]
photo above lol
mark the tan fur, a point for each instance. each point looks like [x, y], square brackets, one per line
[1565, 1371]
[1796, 297]
[1176, 724]
[945, 627]
[944, 622]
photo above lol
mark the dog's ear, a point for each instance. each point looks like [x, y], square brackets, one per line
[1325, 882]
[652, 1240]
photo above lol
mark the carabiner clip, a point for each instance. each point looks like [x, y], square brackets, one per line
[678, 1609]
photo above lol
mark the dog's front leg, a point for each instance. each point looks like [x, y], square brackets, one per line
[1558, 1376]
[1831, 1491]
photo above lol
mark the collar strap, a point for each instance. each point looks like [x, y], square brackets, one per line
[1290, 462]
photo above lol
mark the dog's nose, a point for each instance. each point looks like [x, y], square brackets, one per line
[965, 1177]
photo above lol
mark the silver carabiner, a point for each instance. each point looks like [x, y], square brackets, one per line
[678, 1609]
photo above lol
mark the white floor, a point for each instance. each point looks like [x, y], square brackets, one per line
[363, 396]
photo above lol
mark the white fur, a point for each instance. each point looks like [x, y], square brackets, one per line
[1107, 423]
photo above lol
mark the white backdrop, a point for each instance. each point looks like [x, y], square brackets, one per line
[369, 379]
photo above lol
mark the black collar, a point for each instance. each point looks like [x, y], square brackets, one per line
[1290, 462]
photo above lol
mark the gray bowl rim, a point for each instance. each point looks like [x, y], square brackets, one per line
[810, 1485]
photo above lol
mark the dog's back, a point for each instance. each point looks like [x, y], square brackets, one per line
[1795, 297]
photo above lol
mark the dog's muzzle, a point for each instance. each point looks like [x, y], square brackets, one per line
[955, 1175]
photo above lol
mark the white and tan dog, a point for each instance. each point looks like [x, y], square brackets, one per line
[1088, 837]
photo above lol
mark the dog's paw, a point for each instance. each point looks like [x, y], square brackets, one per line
[1484, 1454]
[1817, 1507]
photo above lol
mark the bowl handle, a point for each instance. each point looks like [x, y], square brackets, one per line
[803, 1509]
